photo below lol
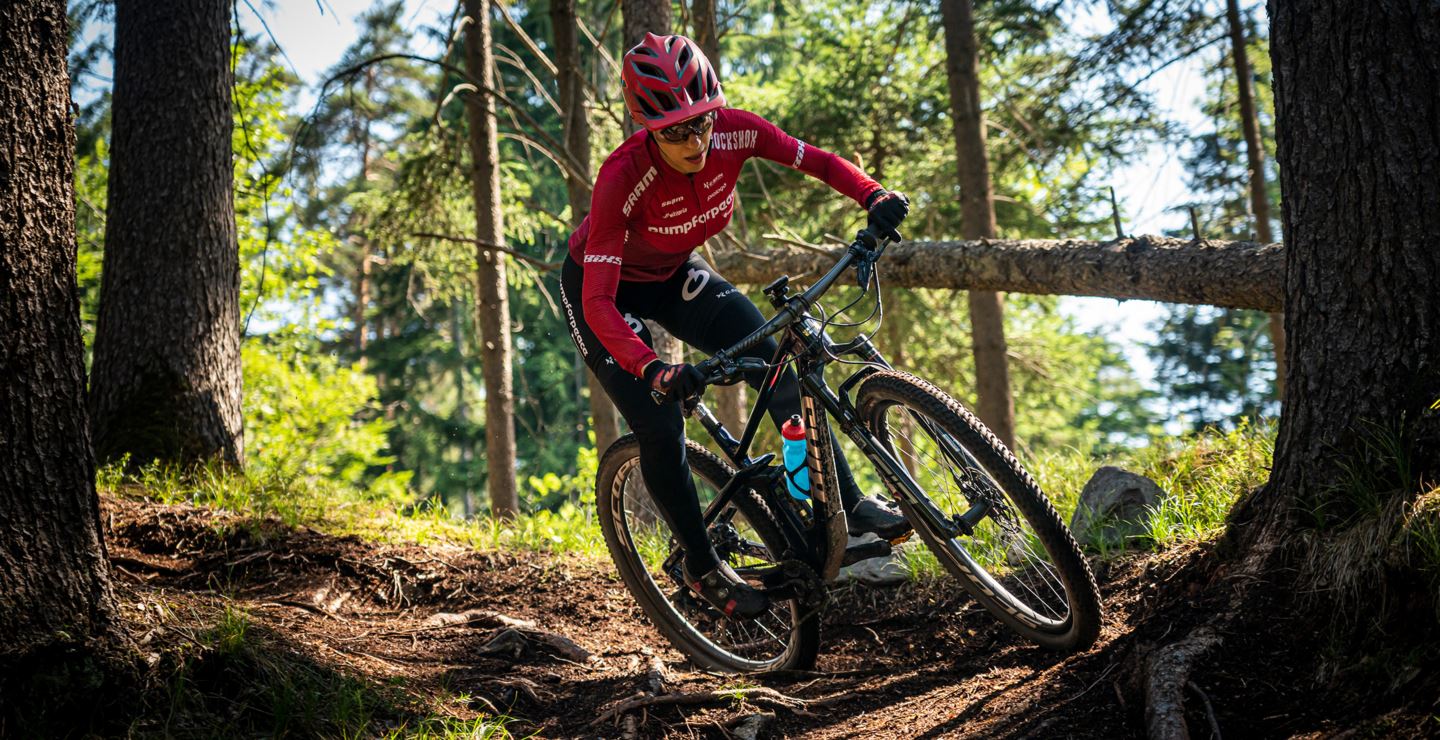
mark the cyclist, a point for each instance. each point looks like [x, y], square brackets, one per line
[658, 197]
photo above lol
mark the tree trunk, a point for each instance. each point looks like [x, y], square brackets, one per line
[362, 303]
[1255, 159]
[706, 31]
[492, 305]
[605, 420]
[462, 405]
[1363, 312]
[54, 578]
[1227, 274]
[166, 377]
[977, 210]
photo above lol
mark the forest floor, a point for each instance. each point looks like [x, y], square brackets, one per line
[556, 644]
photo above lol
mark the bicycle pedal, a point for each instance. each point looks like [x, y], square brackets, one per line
[903, 538]
[865, 551]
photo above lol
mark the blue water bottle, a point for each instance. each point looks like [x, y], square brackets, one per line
[797, 472]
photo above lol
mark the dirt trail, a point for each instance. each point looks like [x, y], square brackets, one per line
[557, 642]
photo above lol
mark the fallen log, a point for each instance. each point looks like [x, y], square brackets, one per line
[1227, 274]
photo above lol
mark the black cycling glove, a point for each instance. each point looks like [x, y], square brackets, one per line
[887, 211]
[673, 382]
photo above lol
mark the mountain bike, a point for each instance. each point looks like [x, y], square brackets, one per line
[972, 504]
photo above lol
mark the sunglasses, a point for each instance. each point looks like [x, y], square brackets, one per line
[681, 132]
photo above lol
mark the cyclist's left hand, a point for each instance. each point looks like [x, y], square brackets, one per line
[674, 382]
[887, 210]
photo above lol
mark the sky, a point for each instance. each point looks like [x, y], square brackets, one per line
[314, 34]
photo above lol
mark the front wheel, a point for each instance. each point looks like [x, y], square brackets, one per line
[745, 535]
[1018, 559]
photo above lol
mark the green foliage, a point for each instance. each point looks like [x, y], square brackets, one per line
[307, 418]
[1215, 366]
[869, 81]
[377, 512]
[280, 260]
[1203, 473]
[91, 174]
[1217, 166]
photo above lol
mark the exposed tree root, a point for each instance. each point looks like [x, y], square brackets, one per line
[1209, 708]
[473, 618]
[1167, 671]
[758, 695]
[520, 642]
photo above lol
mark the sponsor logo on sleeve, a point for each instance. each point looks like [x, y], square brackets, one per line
[799, 154]
[609, 259]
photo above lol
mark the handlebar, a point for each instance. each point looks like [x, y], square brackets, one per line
[862, 253]
[725, 366]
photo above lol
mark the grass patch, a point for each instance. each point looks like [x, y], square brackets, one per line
[1203, 474]
[338, 509]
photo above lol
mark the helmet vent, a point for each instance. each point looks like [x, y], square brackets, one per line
[694, 89]
[683, 61]
[649, 70]
[666, 100]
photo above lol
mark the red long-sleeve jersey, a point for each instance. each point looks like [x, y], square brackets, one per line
[646, 218]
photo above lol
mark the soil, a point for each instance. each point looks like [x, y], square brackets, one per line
[556, 642]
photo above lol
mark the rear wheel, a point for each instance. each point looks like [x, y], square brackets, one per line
[1019, 559]
[746, 536]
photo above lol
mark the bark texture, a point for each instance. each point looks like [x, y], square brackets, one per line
[1227, 274]
[166, 378]
[492, 306]
[1361, 164]
[54, 576]
[1255, 162]
[995, 404]
[604, 419]
[706, 31]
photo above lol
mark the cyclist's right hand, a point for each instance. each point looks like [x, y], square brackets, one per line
[673, 382]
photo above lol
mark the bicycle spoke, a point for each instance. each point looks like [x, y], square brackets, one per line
[762, 639]
[1002, 542]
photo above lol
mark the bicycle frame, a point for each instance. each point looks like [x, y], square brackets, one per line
[811, 349]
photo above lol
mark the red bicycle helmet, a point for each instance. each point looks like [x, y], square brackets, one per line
[667, 80]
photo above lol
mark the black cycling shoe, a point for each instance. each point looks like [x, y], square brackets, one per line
[872, 514]
[728, 592]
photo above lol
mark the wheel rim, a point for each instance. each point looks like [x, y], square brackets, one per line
[744, 644]
[1004, 557]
